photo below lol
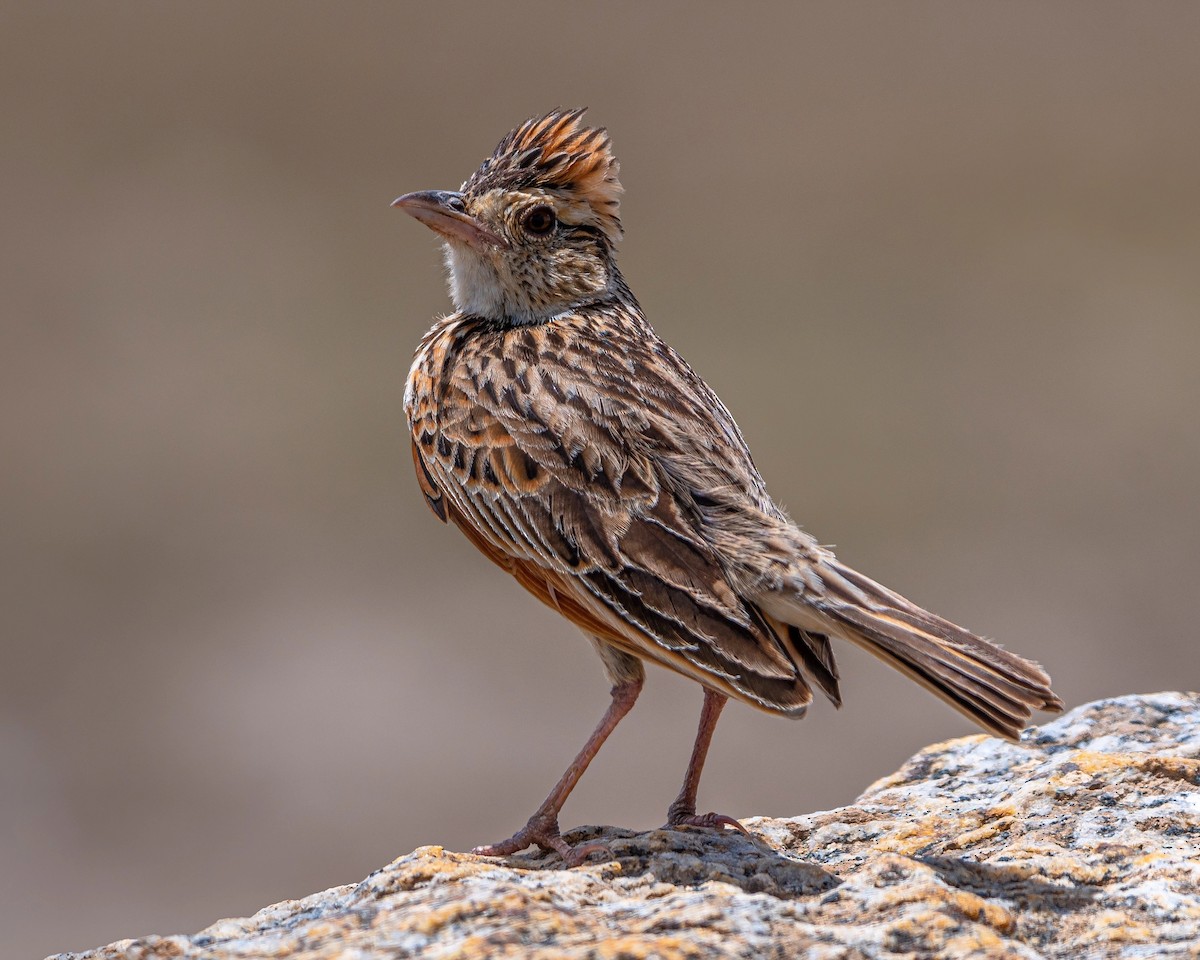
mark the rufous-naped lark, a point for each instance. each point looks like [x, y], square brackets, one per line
[583, 455]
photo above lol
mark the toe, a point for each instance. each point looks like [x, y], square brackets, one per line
[579, 853]
[541, 830]
[546, 835]
[712, 821]
[503, 849]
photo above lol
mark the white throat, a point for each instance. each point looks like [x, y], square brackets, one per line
[510, 289]
[474, 286]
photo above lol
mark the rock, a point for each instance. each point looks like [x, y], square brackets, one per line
[1081, 841]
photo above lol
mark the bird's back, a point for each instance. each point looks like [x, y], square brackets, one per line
[586, 457]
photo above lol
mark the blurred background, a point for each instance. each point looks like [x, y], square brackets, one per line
[941, 261]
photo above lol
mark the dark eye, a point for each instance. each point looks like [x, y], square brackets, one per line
[539, 221]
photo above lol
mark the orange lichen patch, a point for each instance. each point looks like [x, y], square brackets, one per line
[421, 867]
[1093, 763]
[909, 839]
[1113, 926]
[978, 941]
[1150, 859]
[973, 827]
[472, 946]
[434, 920]
[984, 911]
[656, 948]
[988, 831]
[327, 928]
[1172, 768]
[920, 928]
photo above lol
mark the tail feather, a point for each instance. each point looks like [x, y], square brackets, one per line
[815, 653]
[997, 689]
[809, 650]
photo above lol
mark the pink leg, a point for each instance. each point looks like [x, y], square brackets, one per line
[682, 813]
[542, 827]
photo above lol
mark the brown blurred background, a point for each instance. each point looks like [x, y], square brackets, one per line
[942, 262]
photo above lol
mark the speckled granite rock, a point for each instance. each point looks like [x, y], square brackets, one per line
[1082, 841]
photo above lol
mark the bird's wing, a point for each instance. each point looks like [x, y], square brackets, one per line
[564, 475]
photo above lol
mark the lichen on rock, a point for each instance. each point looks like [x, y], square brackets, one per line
[1081, 841]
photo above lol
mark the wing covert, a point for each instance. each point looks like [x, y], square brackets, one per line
[565, 476]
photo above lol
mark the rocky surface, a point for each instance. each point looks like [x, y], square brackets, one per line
[1082, 841]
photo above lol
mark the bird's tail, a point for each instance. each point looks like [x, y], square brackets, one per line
[997, 689]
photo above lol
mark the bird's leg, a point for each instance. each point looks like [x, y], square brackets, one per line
[682, 813]
[542, 827]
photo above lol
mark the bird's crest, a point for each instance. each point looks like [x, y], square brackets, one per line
[556, 152]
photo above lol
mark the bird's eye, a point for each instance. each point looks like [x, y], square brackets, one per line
[539, 221]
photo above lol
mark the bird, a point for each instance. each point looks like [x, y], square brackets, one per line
[583, 455]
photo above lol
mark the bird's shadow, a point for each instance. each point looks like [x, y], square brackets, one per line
[689, 857]
[1011, 882]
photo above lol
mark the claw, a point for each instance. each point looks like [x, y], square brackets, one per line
[713, 821]
[579, 853]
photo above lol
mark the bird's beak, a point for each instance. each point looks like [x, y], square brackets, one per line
[444, 212]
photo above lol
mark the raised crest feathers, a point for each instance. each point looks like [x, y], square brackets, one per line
[557, 152]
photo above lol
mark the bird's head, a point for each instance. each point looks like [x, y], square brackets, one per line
[532, 232]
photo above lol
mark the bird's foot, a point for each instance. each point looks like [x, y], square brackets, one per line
[542, 829]
[713, 821]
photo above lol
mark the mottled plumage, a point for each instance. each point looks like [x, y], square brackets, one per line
[583, 455]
